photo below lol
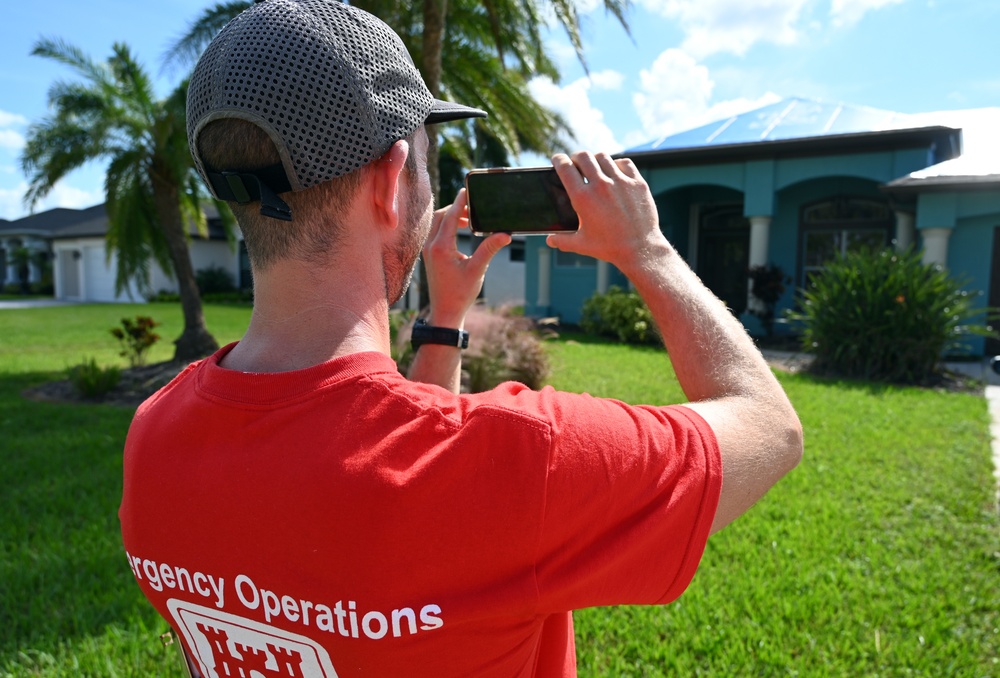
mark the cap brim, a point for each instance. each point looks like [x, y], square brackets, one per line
[446, 111]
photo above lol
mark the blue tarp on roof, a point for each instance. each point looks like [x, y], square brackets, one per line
[792, 118]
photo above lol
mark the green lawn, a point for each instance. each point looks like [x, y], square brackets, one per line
[878, 556]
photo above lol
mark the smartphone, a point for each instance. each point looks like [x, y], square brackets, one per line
[518, 200]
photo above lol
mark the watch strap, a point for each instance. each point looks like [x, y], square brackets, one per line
[423, 333]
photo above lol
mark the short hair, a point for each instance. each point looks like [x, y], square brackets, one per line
[315, 229]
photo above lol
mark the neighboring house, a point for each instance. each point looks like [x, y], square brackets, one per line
[35, 233]
[82, 267]
[795, 183]
[83, 270]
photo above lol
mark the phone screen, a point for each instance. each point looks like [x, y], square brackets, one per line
[518, 200]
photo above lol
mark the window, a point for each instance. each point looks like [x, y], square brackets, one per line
[574, 260]
[516, 249]
[835, 227]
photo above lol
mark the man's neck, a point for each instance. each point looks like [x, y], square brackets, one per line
[301, 320]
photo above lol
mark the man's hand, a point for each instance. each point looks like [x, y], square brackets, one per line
[454, 279]
[618, 218]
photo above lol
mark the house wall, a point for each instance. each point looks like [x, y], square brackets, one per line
[82, 272]
[972, 217]
[204, 254]
[776, 188]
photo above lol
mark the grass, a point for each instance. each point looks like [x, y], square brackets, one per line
[878, 556]
[68, 603]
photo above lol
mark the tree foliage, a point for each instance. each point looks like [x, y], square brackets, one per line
[112, 113]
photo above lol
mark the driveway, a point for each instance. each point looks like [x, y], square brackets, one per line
[34, 303]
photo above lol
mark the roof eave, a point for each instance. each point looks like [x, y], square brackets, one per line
[949, 138]
[909, 186]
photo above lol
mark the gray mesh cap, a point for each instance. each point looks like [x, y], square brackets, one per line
[332, 85]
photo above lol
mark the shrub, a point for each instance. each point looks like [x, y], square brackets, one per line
[400, 324]
[136, 337]
[767, 284]
[502, 347]
[885, 316]
[91, 381]
[164, 297]
[46, 289]
[215, 280]
[242, 297]
[621, 315]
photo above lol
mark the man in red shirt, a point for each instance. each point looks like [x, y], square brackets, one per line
[293, 506]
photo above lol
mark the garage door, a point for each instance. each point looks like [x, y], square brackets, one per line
[98, 275]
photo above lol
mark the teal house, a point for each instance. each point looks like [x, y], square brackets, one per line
[796, 182]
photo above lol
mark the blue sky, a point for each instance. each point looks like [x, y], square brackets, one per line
[687, 63]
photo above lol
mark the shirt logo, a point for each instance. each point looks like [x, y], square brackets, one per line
[227, 646]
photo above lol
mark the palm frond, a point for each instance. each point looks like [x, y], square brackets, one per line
[188, 47]
[67, 53]
[54, 148]
[135, 85]
[133, 224]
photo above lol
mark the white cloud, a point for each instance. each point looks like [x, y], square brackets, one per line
[607, 79]
[849, 12]
[676, 94]
[11, 139]
[714, 26]
[572, 101]
[11, 119]
[734, 26]
[12, 202]
[62, 195]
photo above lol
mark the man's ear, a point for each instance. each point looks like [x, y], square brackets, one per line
[387, 174]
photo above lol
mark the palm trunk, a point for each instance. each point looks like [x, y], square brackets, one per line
[435, 12]
[195, 341]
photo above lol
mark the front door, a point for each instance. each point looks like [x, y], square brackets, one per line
[724, 255]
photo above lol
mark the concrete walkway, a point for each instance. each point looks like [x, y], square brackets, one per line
[993, 402]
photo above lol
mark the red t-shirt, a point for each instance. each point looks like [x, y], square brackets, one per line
[342, 520]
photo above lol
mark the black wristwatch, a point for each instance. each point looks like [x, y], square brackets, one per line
[429, 334]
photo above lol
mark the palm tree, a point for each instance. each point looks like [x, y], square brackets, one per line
[151, 189]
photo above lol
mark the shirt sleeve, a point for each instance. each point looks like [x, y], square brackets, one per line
[630, 497]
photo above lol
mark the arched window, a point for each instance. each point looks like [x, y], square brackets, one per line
[839, 225]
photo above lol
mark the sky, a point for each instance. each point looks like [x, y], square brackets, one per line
[682, 64]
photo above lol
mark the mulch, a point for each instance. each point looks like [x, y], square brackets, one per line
[136, 384]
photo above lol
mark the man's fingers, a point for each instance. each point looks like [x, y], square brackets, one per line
[561, 241]
[587, 165]
[608, 166]
[568, 173]
[488, 249]
[628, 168]
[447, 220]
